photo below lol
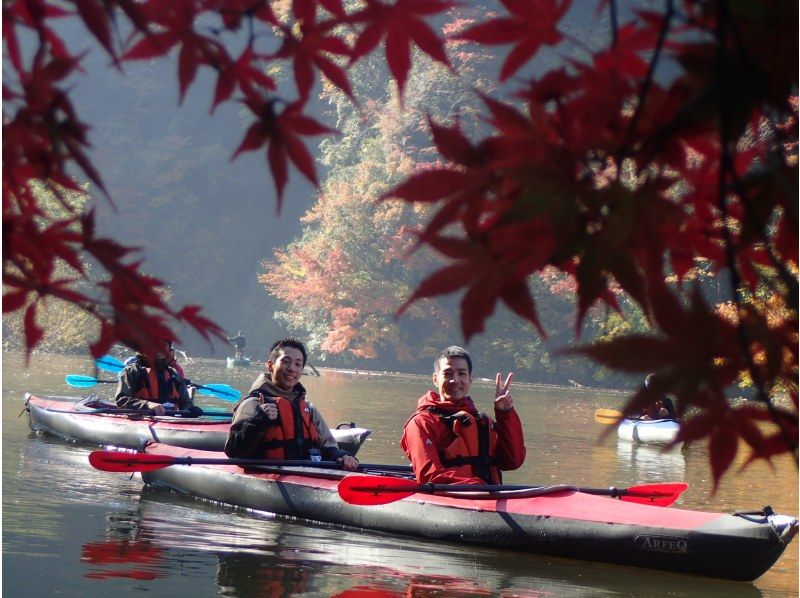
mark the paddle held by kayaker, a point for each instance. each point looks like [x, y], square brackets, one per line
[449, 442]
[152, 384]
[276, 421]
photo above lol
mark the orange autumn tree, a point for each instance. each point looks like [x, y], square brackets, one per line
[324, 277]
[618, 165]
[343, 279]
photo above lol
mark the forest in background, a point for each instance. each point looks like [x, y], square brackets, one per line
[334, 266]
[342, 280]
[633, 173]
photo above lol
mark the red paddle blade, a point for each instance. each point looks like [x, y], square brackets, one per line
[128, 462]
[369, 490]
[659, 495]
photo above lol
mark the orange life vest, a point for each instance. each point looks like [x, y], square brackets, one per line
[295, 433]
[150, 388]
[472, 450]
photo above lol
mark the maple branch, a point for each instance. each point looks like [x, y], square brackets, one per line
[251, 27]
[782, 271]
[726, 166]
[756, 74]
[612, 9]
[647, 83]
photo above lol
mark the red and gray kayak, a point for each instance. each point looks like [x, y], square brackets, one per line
[95, 422]
[567, 523]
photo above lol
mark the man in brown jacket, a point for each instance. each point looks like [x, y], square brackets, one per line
[275, 421]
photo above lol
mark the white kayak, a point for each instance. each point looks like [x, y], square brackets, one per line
[648, 431]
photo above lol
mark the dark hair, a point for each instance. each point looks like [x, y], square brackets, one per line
[453, 351]
[143, 357]
[289, 341]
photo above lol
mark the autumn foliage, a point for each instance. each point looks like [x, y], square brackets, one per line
[623, 165]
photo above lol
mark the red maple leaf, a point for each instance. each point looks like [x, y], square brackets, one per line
[33, 15]
[400, 24]
[282, 135]
[485, 276]
[462, 186]
[33, 332]
[624, 57]
[191, 315]
[233, 11]
[311, 48]
[177, 21]
[46, 132]
[530, 25]
[245, 73]
[96, 15]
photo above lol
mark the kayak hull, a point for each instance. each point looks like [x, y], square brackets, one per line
[565, 524]
[657, 431]
[70, 419]
[243, 362]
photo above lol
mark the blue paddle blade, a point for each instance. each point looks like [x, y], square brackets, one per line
[109, 363]
[81, 381]
[221, 391]
[212, 413]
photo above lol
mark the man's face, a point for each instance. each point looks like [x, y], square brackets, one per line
[160, 360]
[287, 368]
[453, 378]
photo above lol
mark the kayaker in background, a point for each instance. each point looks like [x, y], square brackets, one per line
[172, 361]
[239, 342]
[275, 421]
[662, 408]
[449, 442]
[155, 387]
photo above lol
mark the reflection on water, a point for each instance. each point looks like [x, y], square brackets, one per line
[257, 555]
[143, 560]
[651, 463]
[75, 531]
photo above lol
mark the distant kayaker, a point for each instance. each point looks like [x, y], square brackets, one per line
[239, 342]
[661, 408]
[154, 385]
[448, 441]
[276, 421]
[172, 361]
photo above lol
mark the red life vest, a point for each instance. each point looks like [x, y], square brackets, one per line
[149, 390]
[287, 440]
[472, 450]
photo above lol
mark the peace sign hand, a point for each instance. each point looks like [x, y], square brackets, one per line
[503, 401]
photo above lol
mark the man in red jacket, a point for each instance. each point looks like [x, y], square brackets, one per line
[449, 442]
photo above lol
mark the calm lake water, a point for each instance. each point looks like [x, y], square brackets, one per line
[70, 530]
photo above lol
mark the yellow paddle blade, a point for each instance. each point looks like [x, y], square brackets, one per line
[607, 417]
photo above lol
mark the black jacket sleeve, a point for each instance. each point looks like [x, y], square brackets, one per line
[184, 400]
[247, 429]
[332, 453]
[670, 407]
[130, 382]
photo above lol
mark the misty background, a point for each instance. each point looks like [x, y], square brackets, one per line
[206, 224]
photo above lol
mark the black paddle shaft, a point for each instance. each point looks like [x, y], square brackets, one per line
[277, 463]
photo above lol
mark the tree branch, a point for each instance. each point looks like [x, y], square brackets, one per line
[726, 167]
